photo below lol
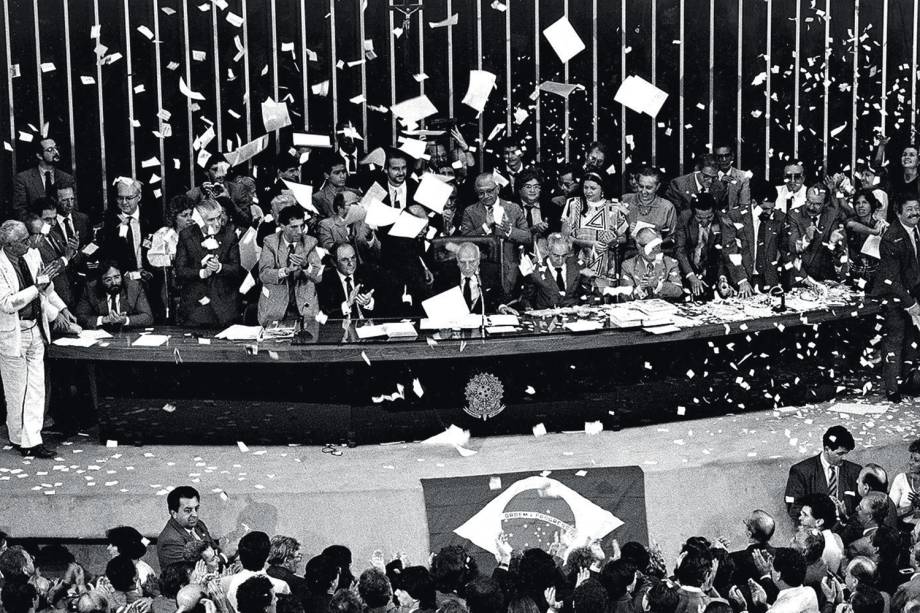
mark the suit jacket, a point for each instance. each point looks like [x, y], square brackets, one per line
[29, 185]
[114, 246]
[332, 294]
[221, 289]
[682, 191]
[405, 261]
[51, 248]
[132, 301]
[738, 238]
[897, 279]
[323, 199]
[666, 271]
[411, 188]
[686, 241]
[172, 539]
[807, 477]
[819, 262]
[13, 298]
[542, 292]
[475, 220]
[737, 188]
[275, 297]
[81, 225]
[490, 291]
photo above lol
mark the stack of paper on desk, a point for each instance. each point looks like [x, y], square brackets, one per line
[625, 317]
[238, 332]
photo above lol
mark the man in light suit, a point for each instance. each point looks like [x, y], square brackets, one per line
[683, 190]
[557, 281]
[826, 473]
[27, 303]
[492, 216]
[335, 176]
[289, 268]
[38, 180]
[737, 182]
[346, 290]
[651, 274]
[114, 302]
[208, 270]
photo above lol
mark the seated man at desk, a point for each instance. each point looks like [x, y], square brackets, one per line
[651, 274]
[346, 290]
[113, 301]
[557, 281]
[817, 238]
[479, 281]
[289, 266]
[699, 247]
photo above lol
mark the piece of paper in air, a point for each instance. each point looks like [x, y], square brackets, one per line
[247, 151]
[408, 225]
[275, 115]
[312, 140]
[303, 194]
[433, 193]
[641, 96]
[187, 92]
[378, 157]
[481, 85]
[380, 215]
[871, 246]
[445, 23]
[564, 39]
[446, 306]
[414, 109]
[560, 89]
[413, 147]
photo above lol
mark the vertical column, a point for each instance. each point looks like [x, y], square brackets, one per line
[536, 61]
[361, 31]
[333, 60]
[884, 118]
[855, 87]
[273, 11]
[654, 4]
[795, 79]
[768, 91]
[712, 71]
[508, 103]
[188, 101]
[827, 72]
[247, 103]
[680, 94]
[9, 78]
[68, 64]
[450, 62]
[392, 41]
[162, 141]
[740, 83]
[565, 124]
[479, 67]
[38, 65]
[129, 66]
[594, 68]
[623, 44]
[215, 52]
[304, 66]
[105, 180]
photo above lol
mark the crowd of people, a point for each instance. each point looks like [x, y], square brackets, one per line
[855, 550]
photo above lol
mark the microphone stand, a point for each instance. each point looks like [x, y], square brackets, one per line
[482, 306]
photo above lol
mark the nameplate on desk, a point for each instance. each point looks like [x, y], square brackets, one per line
[400, 329]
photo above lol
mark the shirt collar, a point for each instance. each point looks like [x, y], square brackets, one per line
[824, 464]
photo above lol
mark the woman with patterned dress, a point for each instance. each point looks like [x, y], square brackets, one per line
[597, 225]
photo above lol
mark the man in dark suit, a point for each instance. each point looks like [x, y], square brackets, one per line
[71, 223]
[826, 473]
[557, 281]
[478, 281]
[408, 276]
[53, 247]
[683, 190]
[897, 285]
[396, 181]
[38, 180]
[346, 290]
[128, 230]
[698, 242]
[817, 237]
[183, 526]
[754, 247]
[760, 527]
[113, 301]
[208, 270]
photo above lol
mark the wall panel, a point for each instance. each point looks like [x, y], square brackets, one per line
[688, 47]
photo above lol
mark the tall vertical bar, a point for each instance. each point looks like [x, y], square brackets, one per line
[361, 55]
[739, 82]
[392, 41]
[304, 66]
[273, 11]
[162, 141]
[712, 71]
[623, 43]
[333, 60]
[479, 67]
[654, 4]
[536, 63]
[247, 103]
[565, 124]
[680, 93]
[188, 101]
[9, 78]
[508, 104]
[421, 52]
[796, 79]
[913, 77]
[768, 91]
[105, 179]
[129, 66]
[884, 118]
[855, 88]
[38, 66]
[593, 68]
[68, 64]
[450, 63]
[218, 112]
[827, 74]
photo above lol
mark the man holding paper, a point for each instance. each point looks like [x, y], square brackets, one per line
[208, 270]
[492, 216]
[817, 237]
[897, 284]
[478, 281]
[289, 268]
[685, 189]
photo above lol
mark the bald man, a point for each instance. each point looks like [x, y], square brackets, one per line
[477, 280]
[760, 527]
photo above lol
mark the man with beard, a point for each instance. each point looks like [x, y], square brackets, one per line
[39, 180]
[897, 284]
[114, 302]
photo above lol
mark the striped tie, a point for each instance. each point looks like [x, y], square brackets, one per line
[832, 483]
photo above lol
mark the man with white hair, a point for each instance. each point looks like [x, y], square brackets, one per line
[208, 269]
[557, 280]
[128, 230]
[651, 274]
[479, 281]
[27, 303]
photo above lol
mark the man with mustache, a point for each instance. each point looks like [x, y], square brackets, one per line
[817, 238]
[114, 301]
[897, 284]
[39, 180]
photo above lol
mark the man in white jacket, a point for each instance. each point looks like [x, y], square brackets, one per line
[27, 303]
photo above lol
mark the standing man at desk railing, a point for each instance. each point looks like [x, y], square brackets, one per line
[817, 238]
[347, 290]
[651, 274]
[289, 267]
[558, 280]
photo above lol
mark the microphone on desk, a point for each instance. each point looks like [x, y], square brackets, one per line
[482, 303]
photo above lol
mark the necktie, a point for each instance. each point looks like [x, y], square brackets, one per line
[701, 243]
[111, 304]
[560, 281]
[916, 246]
[349, 288]
[467, 293]
[759, 264]
[68, 226]
[832, 483]
[529, 210]
[36, 305]
[48, 181]
[292, 287]
[351, 163]
[396, 204]
[130, 238]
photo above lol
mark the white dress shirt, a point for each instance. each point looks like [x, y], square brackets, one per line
[398, 194]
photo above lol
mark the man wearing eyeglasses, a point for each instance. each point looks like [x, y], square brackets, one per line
[683, 190]
[817, 239]
[128, 230]
[38, 180]
[737, 182]
[791, 194]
